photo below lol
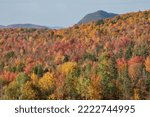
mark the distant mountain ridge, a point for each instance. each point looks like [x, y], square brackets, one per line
[23, 26]
[98, 15]
[1, 26]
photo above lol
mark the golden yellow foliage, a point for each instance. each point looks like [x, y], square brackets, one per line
[28, 91]
[135, 71]
[34, 78]
[52, 97]
[136, 95]
[12, 91]
[94, 90]
[82, 85]
[47, 82]
[67, 67]
[147, 64]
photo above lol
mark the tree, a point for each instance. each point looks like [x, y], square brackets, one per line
[124, 82]
[108, 74]
[2, 84]
[67, 67]
[22, 78]
[47, 84]
[38, 70]
[128, 53]
[135, 70]
[147, 64]
[12, 91]
[30, 91]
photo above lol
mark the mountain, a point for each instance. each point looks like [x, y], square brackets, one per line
[96, 16]
[29, 26]
[55, 27]
[1, 26]
[25, 26]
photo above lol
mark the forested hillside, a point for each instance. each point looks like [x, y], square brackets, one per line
[107, 59]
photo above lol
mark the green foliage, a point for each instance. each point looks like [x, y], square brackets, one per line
[20, 67]
[82, 87]
[2, 84]
[22, 78]
[38, 70]
[1, 65]
[89, 56]
[108, 73]
[99, 22]
[128, 53]
[77, 72]
[66, 58]
[120, 54]
[124, 85]
[88, 70]
[70, 87]
[142, 50]
[12, 69]
[10, 54]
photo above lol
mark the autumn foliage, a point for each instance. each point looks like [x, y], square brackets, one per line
[107, 59]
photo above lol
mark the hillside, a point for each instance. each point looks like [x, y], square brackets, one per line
[98, 15]
[105, 59]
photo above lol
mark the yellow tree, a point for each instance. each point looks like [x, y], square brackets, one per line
[47, 84]
[67, 67]
[29, 91]
[147, 64]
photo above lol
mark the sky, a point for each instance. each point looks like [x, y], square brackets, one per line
[62, 13]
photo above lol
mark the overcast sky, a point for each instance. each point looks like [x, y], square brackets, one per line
[62, 12]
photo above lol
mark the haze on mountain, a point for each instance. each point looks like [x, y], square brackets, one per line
[98, 15]
[1, 26]
[24, 26]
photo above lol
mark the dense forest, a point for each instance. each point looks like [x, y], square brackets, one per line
[105, 59]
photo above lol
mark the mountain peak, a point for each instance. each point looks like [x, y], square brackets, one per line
[100, 14]
[101, 11]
